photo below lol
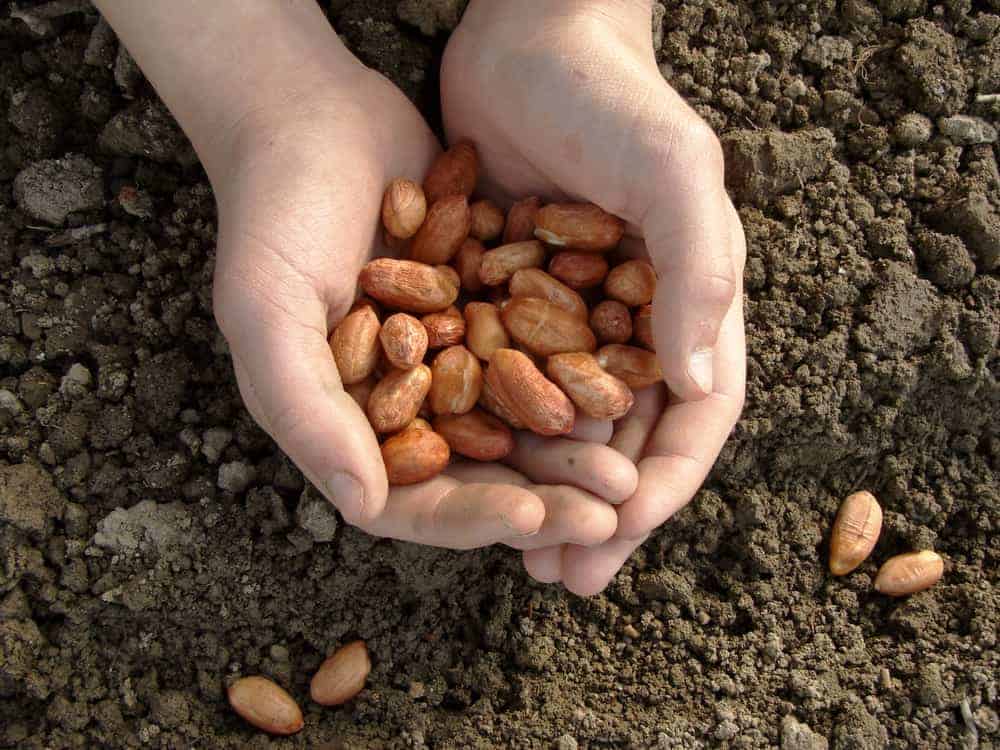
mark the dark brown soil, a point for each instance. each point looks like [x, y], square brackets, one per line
[153, 542]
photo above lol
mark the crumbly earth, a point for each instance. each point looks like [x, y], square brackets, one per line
[154, 543]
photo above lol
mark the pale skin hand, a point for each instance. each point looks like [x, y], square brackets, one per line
[299, 140]
[566, 101]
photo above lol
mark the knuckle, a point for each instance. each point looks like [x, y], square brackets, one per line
[528, 515]
[700, 142]
[425, 524]
[288, 424]
[716, 290]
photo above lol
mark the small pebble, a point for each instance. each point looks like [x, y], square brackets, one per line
[964, 130]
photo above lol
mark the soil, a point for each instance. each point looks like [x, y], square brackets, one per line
[154, 543]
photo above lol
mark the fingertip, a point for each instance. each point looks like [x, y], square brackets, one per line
[355, 480]
[654, 500]
[525, 512]
[347, 495]
[597, 523]
[585, 584]
[689, 376]
[588, 571]
[544, 564]
[700, 369]
[686, 335]
[619, 478]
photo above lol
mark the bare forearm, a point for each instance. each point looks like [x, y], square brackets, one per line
[217, 63]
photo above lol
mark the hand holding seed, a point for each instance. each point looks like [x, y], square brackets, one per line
[566, 103]
[295, 233]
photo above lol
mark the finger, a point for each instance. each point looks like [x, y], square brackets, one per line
[586, 571]
[591, 430]
[571, 515]
[632, 430]
[691, 241]
[545, 564]
[595, 468]
[291, 385]
[443, 512]
[687, 439]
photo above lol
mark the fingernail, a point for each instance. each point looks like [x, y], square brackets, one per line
[700, 369]
[505, 520]
[346, 493]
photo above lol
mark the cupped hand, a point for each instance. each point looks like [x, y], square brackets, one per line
[564, 100]
[299, 194]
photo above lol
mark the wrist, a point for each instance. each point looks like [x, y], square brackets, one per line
[560, 24]
[228, 66]
[625, 12]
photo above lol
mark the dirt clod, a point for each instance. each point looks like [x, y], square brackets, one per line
[761, 165]
[52, 189]
[28, 499]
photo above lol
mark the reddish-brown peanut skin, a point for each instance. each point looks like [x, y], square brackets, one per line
[397, 398]
[642, 327]
[456, 381]
[578, 226]
[265, 705]
[361, 392]
[855, 532]
[639, 368]
[342, 675]
[408, 286]
[534, 282]
[632, 283]
[579, 270]
[414, 456]
[450, 274]
[499, 264]
[454, 172]
[403, 208]
[366, 302]
[419, 423]
[404, 340]
[596, 393]
[611, 322]
[445, 328]
[520, 224]
[544, 329]
[487, 220]
[354, 345]
[476, 435]
[494, 404]
[467, 261]
[534, 399]
[909, 573]
[443, 231]
[484, 331]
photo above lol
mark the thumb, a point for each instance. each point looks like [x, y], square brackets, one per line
[688, 232]
[289, 381]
